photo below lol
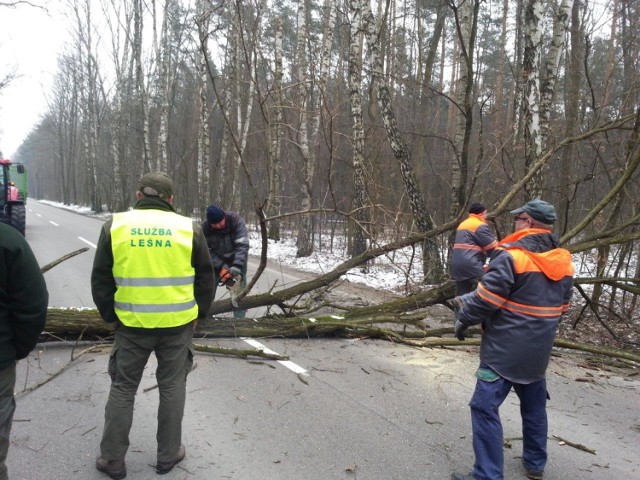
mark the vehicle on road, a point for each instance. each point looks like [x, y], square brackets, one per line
[13, 194]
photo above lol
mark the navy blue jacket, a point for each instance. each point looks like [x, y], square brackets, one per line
[229, 245]
[474, 242]
[519, 303]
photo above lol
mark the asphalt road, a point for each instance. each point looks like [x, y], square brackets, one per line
[341, 409]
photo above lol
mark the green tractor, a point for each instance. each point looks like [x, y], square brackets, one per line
[13, 194]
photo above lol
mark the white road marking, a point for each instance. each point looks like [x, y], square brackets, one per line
[287, 363]
[87, 242]
[54, 223]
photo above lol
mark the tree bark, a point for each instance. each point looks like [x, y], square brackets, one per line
[432, 265]
[355, 96]
[86, 324]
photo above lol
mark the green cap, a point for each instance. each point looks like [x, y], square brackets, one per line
[156, 184]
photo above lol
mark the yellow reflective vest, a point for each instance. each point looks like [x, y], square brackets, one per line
[152, 268]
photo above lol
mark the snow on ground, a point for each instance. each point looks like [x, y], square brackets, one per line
[399, 271]
[390, 272]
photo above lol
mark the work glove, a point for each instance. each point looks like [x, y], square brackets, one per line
[226, 277]
[236, 273]
[459, 330]
[456, 316]
[459, 302]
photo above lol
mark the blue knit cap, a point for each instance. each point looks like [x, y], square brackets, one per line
[214, 214]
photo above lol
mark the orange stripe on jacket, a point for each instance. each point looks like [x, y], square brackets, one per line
[537, 311]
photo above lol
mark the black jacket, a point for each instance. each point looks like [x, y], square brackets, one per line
[23, 297]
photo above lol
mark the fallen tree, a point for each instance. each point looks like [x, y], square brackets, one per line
[407, 329]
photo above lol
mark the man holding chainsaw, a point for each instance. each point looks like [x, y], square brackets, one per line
[152, 280]
[228, 242]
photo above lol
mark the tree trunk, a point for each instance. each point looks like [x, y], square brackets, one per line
[164, 69]
[204, 140]
[275, 130]
[432, 265]
[572, 100]
[551, 65]
[141, 91]
[304, 243]
[466, 20]
[355, 95]
[86, 324]
[531, 96]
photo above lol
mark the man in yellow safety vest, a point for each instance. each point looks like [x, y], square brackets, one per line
[152, 278]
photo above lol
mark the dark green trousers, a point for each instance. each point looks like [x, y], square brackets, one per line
[7, 407]
[128, 358]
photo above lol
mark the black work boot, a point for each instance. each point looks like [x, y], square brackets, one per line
[166, 467]
[115, 469]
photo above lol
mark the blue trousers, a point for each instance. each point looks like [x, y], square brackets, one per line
[487, 428]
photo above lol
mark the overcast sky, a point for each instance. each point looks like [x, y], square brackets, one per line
[29, 43]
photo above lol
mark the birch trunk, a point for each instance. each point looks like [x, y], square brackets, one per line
[89, 99]
[140, 86]
[304, 244]
[571, 107]
[275, 130]
[204, 142]
[431, 263]
[548, 86]
[517, 62]
[163, 59]
[466, 18]
[500, 109]
[355, 96]
[244, 96]
[531, 97]
[118, 120]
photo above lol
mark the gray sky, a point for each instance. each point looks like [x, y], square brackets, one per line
[29, 43]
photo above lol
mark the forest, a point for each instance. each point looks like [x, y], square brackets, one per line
[381, 121]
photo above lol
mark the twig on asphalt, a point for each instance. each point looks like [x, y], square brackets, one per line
[574, 445]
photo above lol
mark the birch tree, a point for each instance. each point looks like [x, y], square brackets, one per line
[304, 244]
[121, 54]
[89, 98]
[355, 96]
[432, 265]
[466, 15]
[571, 107]
[531, 94]
[163, 56]
[245, 83]
[141, 90]
[203, 21]
[274, 199]
[551, 66]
